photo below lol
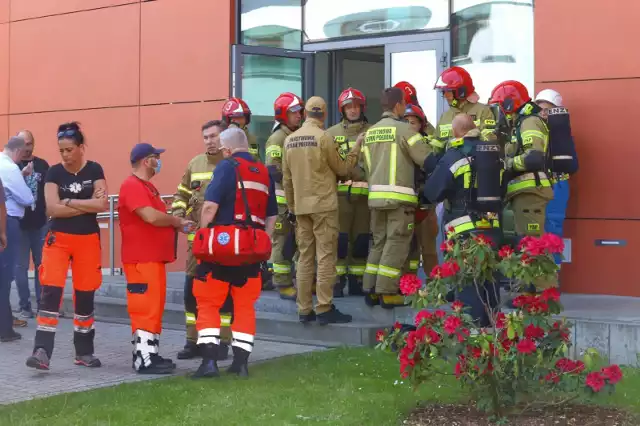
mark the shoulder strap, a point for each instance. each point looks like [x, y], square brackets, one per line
[248, 220]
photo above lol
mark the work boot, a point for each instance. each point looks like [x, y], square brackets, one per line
[240, 364]
[10, 337]
[209, 366]
[288, 293]
[306, 318]
[223, 351]
[159, 365]
[355, 286]
[371, 299]
[338, 288]
[39, 360]
[89, 361]
[390, 301]
[334, 316]
[189, 351]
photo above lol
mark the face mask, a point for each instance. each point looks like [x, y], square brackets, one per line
[158, 166]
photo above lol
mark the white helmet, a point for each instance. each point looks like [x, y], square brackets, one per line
[551, 96]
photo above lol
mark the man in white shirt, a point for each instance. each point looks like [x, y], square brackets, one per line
[18, 197]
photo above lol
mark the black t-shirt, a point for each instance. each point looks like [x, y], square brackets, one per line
[35, 219]
[78, 186]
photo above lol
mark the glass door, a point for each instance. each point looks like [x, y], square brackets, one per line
[420, 63]
[260, 74]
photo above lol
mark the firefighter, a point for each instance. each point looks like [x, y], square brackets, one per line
[528, 187]
[240, 191]
[424, 241]
[288, 116]
[187, 203]
[353, 189]
[468, 178]
[457, 88]
[310, 164]
[236, 111]
[409, 91]
[392, 150]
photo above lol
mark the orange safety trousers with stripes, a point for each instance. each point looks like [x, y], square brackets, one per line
[211, 295]
[83, 254]
[146, 293]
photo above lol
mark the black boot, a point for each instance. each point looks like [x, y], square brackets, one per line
[189, 351]
[223, 351]
[355, 286]
[338, 288]
[333, 316]
[209, 366]
[240, 364]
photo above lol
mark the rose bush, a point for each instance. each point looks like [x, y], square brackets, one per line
[520, 360]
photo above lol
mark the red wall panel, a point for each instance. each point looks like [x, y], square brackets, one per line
[185, 50]
[577, 39]
[4, 69]
[81, 60]
[602, 269]
[4, 10]
[25, 9]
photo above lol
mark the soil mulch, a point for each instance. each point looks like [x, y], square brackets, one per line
[579, 415]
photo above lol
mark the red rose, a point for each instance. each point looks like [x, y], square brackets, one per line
[436, 273]
[552, 377]
[410, 284]
[482, 240]
[397, 325]
[505, 252]
[431, 336]
[578, 367]
[501, 320]
[449, 269]
[526, 346]
[533, 332]
[552, 243]
[462, 335]
[423, 315]
[525, 260]
[439, 313]
[613, 374]
[595, 381]
[521, 301]
[506, 344]
[475, 352]
[457, 306]
[459, 371]
[451, 324]
[380, 335]
[551, 294]
[447, 246]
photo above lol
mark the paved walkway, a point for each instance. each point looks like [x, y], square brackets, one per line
[18, 383]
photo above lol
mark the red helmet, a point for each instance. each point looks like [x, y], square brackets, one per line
[456, 80]
[351, 95]
[410, 93]
[416, 111]
[235, 108]
[286, 102]
[511, 95]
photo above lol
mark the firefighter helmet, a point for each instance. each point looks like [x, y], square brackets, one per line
[285, 103]
[351, 95]
[510, 95]
[416, 111]
[409, 91]
[235, 108]
[551, 96]
[456, 80]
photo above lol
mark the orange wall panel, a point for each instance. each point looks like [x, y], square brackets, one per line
[185, 50]
[25, 9]
[4, 10]
[4, 69]
[605, 151]
[4, 128]
[599, 269]
[578, 39]
[76, 61]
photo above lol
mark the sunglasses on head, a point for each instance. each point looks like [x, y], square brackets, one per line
[66, 134]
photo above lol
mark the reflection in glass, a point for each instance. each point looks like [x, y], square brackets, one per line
[493, 40]
[263, 79]
[271, 23]
[420, 68]
[326, 19]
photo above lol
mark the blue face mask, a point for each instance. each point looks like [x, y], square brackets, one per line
[158, 166]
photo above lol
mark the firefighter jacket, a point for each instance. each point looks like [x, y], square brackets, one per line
[482, 117]
[526, 157]
[254, 148]
[187, 201]
[310, 166]
[451, 181]
[421, 175]
[345, 135]
[391, 152]
[273, 159]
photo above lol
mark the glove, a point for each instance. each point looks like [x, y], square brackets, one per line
[508, 163]
[291, 218]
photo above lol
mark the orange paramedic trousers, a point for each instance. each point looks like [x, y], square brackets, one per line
[146, 293]
[84, 255]
[211, 295]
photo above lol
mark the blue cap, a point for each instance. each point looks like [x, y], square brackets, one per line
[143, 150]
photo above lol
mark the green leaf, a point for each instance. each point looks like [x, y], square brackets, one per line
[511, 333]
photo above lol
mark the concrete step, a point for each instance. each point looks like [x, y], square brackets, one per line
[280, 326]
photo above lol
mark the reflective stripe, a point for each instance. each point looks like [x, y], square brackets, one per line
[279, 268]
[393, 192]
[562, 157]
[242, 340]
[245, 337]
[527, 180]
[255, 186]
[437, 143]
[280, 197]
[256, 219]
[465, 223]
[393, 162]
[201, 176]
[83, 323]
[190, 318]
[413, 265]
[274, 151]
[191, 237]
[414, 139]
[357, 270]
[209, 335]
[371, 269]
[236, 241]
[367, 157]
[242, 345]
[357, 188]
[528, 135]
[457, 165]
[341, 269]
[184, 189]
[225, 320]
[179, 205]
[389, 272]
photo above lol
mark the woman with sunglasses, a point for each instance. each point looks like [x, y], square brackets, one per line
[75, 192]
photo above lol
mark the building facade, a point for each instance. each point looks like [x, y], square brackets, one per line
[156, 70]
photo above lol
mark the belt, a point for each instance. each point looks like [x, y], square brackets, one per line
[466, 223]
[528, 180]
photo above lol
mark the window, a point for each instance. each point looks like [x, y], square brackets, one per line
[359, 18]
[271, 23]
[493, 40]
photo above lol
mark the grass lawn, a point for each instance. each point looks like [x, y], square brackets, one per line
[349, 386]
